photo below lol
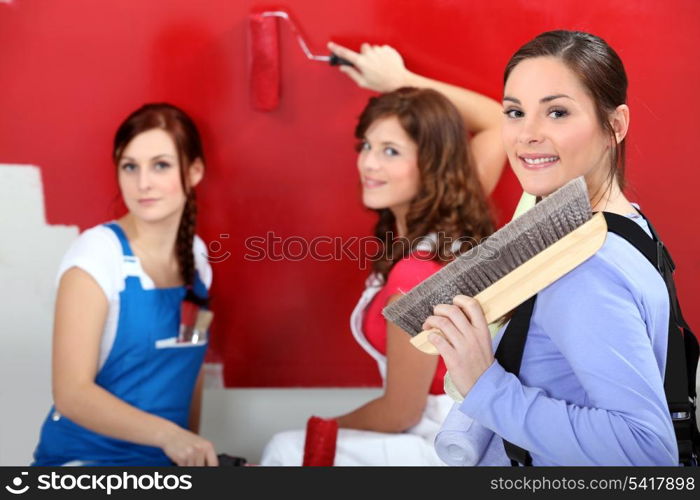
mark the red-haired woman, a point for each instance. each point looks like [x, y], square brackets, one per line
[416, 172]
[126, 390]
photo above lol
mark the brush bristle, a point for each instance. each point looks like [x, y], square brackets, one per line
[515, 243]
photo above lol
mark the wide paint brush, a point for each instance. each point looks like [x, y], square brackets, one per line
[513, 264]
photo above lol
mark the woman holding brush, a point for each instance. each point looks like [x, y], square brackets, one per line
[417, 174]
[590, 390]
[127, 363]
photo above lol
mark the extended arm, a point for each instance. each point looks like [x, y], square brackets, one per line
[381, 68]
[409, 376]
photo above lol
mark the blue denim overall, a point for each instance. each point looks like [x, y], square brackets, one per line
[146, 368]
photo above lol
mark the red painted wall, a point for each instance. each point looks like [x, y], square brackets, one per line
[71, 70]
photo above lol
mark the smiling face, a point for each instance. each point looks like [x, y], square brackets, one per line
[388, 166]
[149, 177]
[551, 132]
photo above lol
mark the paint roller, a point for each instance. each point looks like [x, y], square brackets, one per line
[264, 57]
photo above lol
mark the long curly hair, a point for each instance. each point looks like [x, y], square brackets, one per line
[189, 148]
[450, 201]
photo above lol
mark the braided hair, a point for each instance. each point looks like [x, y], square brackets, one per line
[189, 148]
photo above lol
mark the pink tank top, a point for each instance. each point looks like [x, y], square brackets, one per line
[406, 274]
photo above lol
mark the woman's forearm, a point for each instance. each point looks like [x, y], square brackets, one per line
[381, 415]
[96, 409]
[479, 112]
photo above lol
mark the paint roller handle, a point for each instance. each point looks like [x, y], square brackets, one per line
[335, 60]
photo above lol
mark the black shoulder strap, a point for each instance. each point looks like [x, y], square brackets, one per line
[679, 381]
[682, 353]
[509, 355]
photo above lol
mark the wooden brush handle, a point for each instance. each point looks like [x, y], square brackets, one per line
[532, 276]
[422, 343]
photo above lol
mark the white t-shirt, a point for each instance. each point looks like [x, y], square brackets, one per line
[98, 252]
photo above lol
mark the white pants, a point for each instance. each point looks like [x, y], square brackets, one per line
[355, 447]
[414, 447]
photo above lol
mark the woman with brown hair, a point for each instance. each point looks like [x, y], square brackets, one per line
[127, 376]
[587, 388]
[417, 174]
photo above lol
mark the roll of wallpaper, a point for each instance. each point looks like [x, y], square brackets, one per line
[461, 440]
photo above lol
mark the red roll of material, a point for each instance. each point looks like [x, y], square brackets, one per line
[264, 62]
[319, 447]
